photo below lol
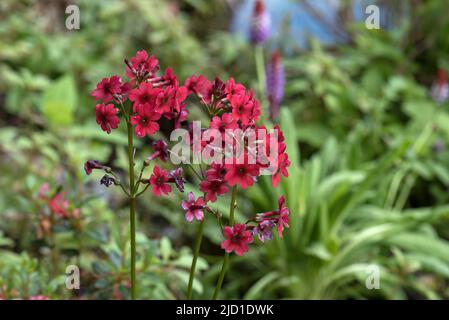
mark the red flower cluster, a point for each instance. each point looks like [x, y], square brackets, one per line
[152, 96]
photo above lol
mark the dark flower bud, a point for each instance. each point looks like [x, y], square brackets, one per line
[107, 180]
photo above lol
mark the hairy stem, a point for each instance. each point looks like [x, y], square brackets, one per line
[224, 267]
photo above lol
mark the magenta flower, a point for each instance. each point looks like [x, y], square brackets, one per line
[242, 174]
[194, 208]
[159, 181]
[145, 120]
[107, 88]
[237, 239]
[213, 188]
[142, 66]
[106, 116]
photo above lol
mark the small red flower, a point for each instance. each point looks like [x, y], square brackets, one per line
[159, 181]
[200, 86]
[170, 99]
[216, 171]
[213, 188]
[243, 174]
[106, 116]
[194, 208]
[226, 122]
[145, 121]
[142, 66]
[145, 94]
[108, 87]
[245, 108]
[234, 89]
[237, 239]
[170, 77]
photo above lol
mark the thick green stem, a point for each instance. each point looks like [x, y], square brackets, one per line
[132, 211]
[224, 267]
[199, 238]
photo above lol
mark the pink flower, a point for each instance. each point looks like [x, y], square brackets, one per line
[106, 116]
[159, 181]
[194, 208]
[107, 88]
[237, 239]
[213, 188]
[243, 174]
[145, 121]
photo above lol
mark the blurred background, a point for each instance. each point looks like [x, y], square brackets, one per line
[364, 112]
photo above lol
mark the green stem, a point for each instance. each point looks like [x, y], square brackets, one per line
[224, 267]
[132, 210]
[260, 68]
[199, 238]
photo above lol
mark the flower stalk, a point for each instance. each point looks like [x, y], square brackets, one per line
[224, 267]
[132, 210]
[198, 240]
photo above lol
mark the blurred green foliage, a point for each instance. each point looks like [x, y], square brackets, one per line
[367, 186]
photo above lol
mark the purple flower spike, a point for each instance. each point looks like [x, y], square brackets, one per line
[260, 28]
[275, 84]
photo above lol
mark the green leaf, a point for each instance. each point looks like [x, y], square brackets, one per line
[166, 248]
[59, 102]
